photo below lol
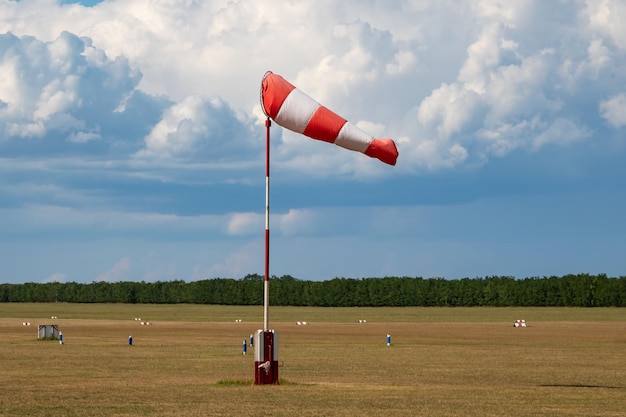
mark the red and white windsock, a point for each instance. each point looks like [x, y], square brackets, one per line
[294, 110]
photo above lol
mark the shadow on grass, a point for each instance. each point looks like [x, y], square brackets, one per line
[579, 386]
[250, 382]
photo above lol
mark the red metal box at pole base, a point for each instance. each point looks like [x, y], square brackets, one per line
[265, 357]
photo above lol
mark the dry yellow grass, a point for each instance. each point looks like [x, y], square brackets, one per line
[442, 362]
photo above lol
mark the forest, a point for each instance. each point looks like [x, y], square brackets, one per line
[580, 290]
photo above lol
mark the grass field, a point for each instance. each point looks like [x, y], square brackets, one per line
[189, 362]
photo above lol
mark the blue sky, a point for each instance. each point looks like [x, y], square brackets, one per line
[132, 143]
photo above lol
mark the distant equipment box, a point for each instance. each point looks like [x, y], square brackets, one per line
[48, 331]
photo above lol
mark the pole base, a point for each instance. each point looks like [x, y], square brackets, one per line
[266, 358]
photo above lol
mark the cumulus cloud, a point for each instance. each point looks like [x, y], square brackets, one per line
[448, 109]
[201, 128]
[606, 17]
[561, 132]
[492, 90]
[83, 137]
[244, 223]
[515, 94]
[67, 93]
[613, 110]
[298, 222]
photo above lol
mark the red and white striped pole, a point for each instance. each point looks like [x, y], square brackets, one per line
[266, 343]
[266, 279]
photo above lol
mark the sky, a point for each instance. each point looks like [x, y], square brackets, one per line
[132, 140]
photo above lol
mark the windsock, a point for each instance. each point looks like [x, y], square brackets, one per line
[294, 110]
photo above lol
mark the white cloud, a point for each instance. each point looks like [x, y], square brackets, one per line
[245, 223]
[613, 110]
[83, 137]
[505, 137]
[517, 91]
[599, 57]
[395, 66]
[62, 89]
[448, 109]
[297, 222]
[200, 128]
[433, 154]
[404, 61]
[561, 132]
[607, 17]
[483, 56]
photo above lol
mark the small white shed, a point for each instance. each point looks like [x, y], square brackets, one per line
[48, 331]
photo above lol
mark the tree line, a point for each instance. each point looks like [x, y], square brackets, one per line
[580, 290]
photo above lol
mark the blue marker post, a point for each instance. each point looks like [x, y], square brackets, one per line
[130, 340]
[251, 340]
[60, 338]
[244, 347]
[388, 339]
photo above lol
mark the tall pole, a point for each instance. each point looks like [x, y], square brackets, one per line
[266, 279]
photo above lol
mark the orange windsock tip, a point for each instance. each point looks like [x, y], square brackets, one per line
[384, 150]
